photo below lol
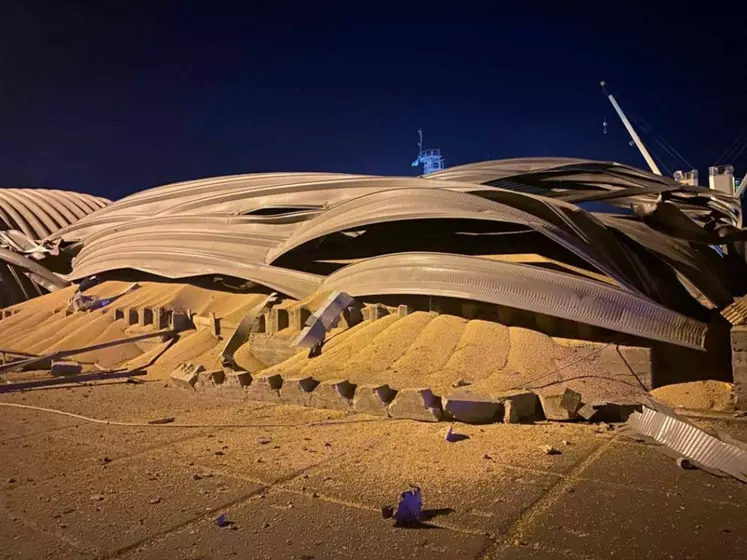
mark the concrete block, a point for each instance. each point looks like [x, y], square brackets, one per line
[373, 312]
[145, 317]
[210, 379]
[373, 399]
[416, 404]
[335, 394]
[298, 390]
[65, 368]
[186, 375]
[571, 400]
[180, 321]
[234, 383]
[518, 405]
[472, 409]
[554, 411]
[132, 316]
[265, 388]
[160, 318]
[214, 325]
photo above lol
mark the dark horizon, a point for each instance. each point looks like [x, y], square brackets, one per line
[114, 100]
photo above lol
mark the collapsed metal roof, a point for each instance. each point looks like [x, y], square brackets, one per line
[647, 268]
[26, 217]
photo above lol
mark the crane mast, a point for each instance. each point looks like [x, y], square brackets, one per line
[633, 134]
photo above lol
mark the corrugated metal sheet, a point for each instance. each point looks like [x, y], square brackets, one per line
[26, 217]
[240, 225]
[419, 204]
[521, 286]
[40, 212]
[691, 442]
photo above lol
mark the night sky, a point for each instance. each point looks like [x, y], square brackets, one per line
[114, 97]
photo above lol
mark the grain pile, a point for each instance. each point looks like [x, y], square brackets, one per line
[421, 350]
[697, 395]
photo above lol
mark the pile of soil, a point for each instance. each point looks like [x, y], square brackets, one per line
[697, 395]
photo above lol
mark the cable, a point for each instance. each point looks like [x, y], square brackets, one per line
[731, 147]
[671, 150]
[147, 425]
[654, 154]
[525, 383]
[739, 153]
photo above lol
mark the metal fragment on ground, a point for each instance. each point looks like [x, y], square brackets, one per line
[691, 442]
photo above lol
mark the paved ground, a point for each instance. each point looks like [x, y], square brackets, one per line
[310, 484]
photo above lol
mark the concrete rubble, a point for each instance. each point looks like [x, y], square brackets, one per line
[186, 375]
[416, 404]
[373, 399]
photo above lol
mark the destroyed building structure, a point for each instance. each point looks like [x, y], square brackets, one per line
[575, 249]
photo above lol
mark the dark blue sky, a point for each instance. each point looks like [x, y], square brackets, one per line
[111, 98]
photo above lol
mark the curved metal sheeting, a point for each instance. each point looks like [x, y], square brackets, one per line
[234, 196]
[700, 265]
[521, 286]
[48, 278]
[173, 262]
[419, 204]
[579, 181]
[41, 212]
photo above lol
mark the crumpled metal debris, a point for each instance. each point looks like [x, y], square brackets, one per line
[698, 447]
[322, 320]
[83, 302]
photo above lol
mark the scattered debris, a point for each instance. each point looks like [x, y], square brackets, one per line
[586, 411]
[155, 501]
[167, 420]
[410, 508]
[452, 437]
[97, 497]
[20, 364]
[387, 512]
[222, 520]
[65, 368]
[566, 442]
[571, 401]
[549, 450]
[264, 440]
[186, 374]
[461, 383]
[698, 447]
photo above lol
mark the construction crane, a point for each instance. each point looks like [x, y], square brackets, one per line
[633, 134]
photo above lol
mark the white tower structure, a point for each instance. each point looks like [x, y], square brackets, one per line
[431, 160]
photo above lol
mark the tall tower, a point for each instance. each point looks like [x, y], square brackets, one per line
[431, 160]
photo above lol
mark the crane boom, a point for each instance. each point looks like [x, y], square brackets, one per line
[632, 132]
